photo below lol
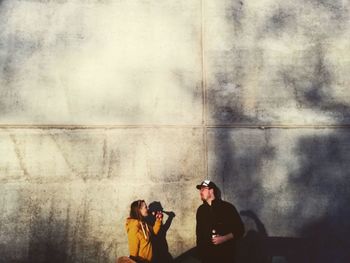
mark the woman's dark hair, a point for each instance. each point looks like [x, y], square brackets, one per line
[135, 209]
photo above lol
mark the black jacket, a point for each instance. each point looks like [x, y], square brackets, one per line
[224, 218]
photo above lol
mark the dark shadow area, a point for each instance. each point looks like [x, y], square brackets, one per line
[160, 245]
[257, 247]
[288, 249]
[324, 173]
[48, 240]
[47, 246]
[252, 248]
[239, 161]
[319, 214]
[54, 239]
[188, 256]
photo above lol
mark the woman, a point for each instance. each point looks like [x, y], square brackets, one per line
[140, 233]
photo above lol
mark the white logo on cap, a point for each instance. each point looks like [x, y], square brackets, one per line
[206, 182]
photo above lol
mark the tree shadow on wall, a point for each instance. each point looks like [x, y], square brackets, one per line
[322, 188]
[320, 183]
[323, 177]
[160, 245]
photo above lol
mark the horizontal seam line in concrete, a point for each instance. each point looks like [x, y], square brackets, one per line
[93, 126]
[281, 126]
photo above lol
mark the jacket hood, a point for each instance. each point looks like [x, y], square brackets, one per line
[131, 223]
[135, 224]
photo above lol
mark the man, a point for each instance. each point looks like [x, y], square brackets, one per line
[218, 226]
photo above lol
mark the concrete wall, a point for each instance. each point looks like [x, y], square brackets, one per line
[105, 102]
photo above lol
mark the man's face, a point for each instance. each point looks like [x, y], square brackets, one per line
[206, 193]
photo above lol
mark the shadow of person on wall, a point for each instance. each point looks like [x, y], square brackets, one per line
[160, 245]
[258, 247]
[251, 248]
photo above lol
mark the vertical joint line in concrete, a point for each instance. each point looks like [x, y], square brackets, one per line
[204, 90]
[203, 65]
[205, 152]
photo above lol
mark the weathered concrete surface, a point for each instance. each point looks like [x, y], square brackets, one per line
[275, 61]
[296, 181]
[100, 62]
[65, 195]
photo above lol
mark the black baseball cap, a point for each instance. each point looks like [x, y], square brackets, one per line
[206, 183]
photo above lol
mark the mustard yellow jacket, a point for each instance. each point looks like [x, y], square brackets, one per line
[139, 238]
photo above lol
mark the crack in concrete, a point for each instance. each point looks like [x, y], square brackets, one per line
[19, 155]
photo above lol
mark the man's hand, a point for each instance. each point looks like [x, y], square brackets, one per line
[217, 240]
[159, 215]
